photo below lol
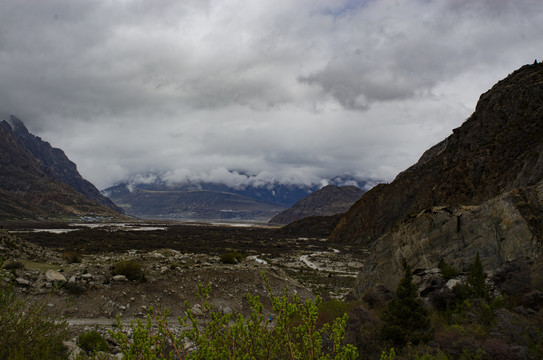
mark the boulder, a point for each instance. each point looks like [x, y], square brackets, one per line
[55, 277]
[119, 278]
[197, 310]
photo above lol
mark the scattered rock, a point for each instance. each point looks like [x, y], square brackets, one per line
[22, 282]
[226, 310]
[120, 278]
[452, 283]
[196, 310]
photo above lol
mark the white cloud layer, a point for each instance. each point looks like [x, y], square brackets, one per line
[293, 91]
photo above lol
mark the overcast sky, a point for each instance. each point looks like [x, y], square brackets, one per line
[286, 90]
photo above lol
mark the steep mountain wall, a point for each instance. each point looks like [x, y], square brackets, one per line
[498, 149]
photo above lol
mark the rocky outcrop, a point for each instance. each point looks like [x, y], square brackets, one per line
[498, 149]
[330, 200]
[504, 230]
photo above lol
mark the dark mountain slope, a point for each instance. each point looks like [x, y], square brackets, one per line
[55, 163]
[330, 200]
[27, 192]
[498, 149]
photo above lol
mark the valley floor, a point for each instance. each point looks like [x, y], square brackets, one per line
[174, 259]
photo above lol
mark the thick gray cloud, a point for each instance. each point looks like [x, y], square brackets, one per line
[291, 91]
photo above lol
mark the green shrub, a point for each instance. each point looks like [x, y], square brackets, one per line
[27, 332]
[331, 310]
[289, 333]
[233, 257]
[15, 265]
[92, 342]
[129, 268]
[447, 270]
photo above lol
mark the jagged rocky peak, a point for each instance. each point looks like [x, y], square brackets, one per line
[38, 180]
[16, 124]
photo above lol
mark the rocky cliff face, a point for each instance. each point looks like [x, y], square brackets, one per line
[498, 149]
[28, 192]
[505, 229]
[479, 190]
[330, 200]
[55, 163]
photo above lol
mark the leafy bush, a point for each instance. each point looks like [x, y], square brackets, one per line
[447, 270]
[27, 332]
[92, 342]
[290, 333]
[72, 257]
[129, 268]
[233, 257]
[331, 310]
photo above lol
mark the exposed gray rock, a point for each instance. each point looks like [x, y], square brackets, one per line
[119, 278]
[500, 230]
[55, 277]
[22, 282]
[197, 310]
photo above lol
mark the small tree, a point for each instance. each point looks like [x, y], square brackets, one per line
[476, 281]
[406, 319]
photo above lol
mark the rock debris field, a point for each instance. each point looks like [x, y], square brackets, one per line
[75, 276]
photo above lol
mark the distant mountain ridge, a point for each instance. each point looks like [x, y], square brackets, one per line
[28, 192]
[190, 204]
[329, 200]
[202, 200]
